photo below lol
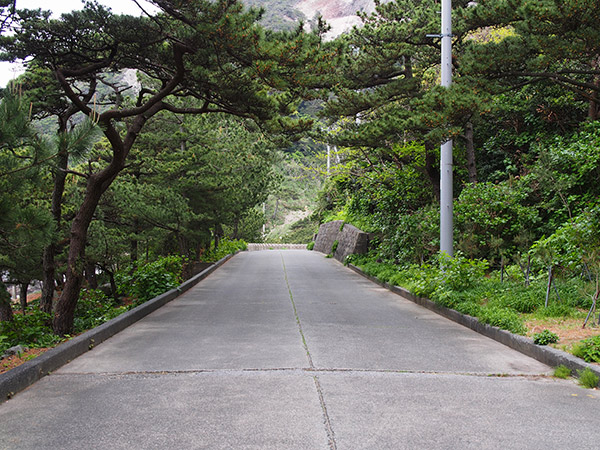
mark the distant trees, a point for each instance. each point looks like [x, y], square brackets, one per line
[186, 180]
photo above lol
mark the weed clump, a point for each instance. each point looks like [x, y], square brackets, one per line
[588, 349]
[562, 372]
[588, 379]
[334, 246]
[545, 337]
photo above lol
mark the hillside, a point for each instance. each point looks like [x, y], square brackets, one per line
[340, 14]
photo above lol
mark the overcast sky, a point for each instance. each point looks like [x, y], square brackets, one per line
[9, 71]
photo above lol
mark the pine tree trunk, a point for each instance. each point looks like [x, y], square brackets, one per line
[6, 313]
[48, 283]
[97, 184]
[470, 149]
[49, 257]
[90, 275]
[133, 244]
[594, 105]
[65, 306]
[48, 260]
[23, 287]
[432, 172]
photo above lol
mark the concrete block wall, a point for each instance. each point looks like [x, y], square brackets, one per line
[350, 239]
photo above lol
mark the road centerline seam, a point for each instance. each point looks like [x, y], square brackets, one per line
[326, 419]
[304, 343]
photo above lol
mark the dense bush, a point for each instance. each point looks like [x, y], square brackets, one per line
[504, 318]
[30, 330]
[226, 247]
[93, 309]
[467, 286]
[152, 279]
[588, 349]
[459, 272]
[545, 337]
[587, 378]
[492, 218]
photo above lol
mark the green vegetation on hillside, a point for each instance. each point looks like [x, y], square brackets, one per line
[278, 14]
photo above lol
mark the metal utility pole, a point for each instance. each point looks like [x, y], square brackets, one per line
[446, 200]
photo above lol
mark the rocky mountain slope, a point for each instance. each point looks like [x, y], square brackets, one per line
[339, 14]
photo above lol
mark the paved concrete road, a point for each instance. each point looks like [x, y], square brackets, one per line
[289, 350]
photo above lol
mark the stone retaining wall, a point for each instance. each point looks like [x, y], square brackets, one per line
[350, 239]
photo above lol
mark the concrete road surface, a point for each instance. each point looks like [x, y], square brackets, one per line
[290, 350]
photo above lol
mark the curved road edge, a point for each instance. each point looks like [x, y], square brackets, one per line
[544, 354]
[25, 375]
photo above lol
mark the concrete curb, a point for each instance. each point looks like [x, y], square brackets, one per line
[21, 377]
[543, 353]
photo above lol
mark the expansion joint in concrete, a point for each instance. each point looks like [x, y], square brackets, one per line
[327, 421]
[312, 371]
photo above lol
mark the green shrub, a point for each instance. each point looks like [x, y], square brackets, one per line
[386, 273]
[503, 318]
[152, 279]
[398, 279]
[587, 378]
[226, 247]
[490, 217]
[545, 337]
[93, 309]
[460, 273]
[588, 349]
[562, 372]
[310, 245]
[423, 280]
[30, 330]
[468, 308]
